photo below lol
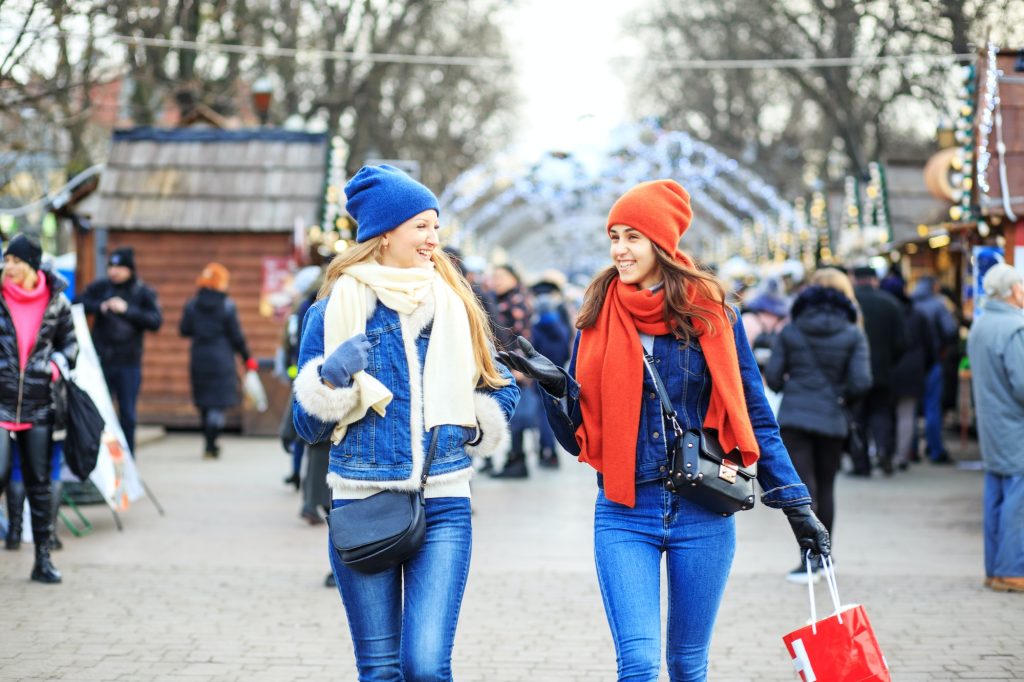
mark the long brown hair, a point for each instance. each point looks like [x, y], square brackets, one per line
[479, 329]
[680, 282]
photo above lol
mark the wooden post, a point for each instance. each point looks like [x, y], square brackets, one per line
[1014, 234]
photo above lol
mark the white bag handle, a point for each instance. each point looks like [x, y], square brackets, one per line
[833, 589]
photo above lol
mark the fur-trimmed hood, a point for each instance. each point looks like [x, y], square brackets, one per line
[824, 297]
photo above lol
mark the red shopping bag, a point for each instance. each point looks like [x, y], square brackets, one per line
[840, 648]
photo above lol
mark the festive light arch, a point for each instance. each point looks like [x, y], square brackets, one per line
[553, 208]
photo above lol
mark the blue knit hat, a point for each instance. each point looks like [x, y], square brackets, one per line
[381, 198]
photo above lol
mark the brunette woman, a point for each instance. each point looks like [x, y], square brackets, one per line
[653, 298]
[820, 364]
[396, 348]
[36, 334]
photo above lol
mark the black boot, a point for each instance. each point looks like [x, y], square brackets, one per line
[15, 514]
[548, 459]
[44, 571]
[55, 488]
[515, 467]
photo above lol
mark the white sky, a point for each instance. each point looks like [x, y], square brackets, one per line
[570, 93]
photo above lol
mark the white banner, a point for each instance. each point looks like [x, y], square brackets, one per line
[115, 474]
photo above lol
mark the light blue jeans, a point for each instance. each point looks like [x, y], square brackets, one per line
[1004, 526]
[628, 545]
[402, 620]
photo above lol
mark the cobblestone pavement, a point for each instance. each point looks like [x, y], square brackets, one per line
[229, 584]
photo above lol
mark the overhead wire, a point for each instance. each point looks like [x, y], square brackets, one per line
[271, 51]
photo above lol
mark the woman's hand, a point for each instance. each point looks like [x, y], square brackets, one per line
[536, 366]
[347, 359]
[808, 530]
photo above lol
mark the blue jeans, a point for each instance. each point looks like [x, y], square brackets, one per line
[402, 620]
[933, 412]
[1004, 526]
[628, 544]
[124, 383]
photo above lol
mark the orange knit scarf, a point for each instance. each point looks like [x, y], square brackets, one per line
[609, 369]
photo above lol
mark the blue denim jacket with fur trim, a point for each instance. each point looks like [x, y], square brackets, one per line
[387, 452]
[688, 380]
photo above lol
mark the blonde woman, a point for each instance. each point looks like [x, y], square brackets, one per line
[398, 347]
[820, 364]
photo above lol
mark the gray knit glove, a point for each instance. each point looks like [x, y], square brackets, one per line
[347, 359]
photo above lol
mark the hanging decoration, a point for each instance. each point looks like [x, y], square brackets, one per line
[962, 178]
[501, 203]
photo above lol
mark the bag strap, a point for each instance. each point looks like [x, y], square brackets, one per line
[430, 457]
[667, 410]
[828, 569]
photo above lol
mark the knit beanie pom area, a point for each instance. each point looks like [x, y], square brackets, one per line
[660, 210]
[381, 198]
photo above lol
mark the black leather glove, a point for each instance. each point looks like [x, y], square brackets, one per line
[808, 530]
[536, 366]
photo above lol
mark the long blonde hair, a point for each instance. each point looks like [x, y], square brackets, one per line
[479, 329]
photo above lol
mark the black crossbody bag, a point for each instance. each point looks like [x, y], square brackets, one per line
[382, 531]
[699, 469]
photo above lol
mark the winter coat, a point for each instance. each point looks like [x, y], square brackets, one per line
[886, 327]
[512, 313]
[387, 452]
[117, 336]
[908, 374]
[820, 358]
[26, 394]
[211, 321]
[940, 325]
[687, 378]
[995, 347]
[551, 333]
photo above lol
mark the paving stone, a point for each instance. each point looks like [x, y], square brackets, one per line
[228, 585]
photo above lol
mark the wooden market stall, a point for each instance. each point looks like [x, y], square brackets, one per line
[184, 197]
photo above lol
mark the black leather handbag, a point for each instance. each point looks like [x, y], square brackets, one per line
[699, 468]
[382, 531]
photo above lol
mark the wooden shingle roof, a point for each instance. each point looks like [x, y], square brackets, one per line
[197, 180]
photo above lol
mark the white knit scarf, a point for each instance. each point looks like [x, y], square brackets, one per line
[450, 373]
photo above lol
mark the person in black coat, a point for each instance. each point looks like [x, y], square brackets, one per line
[820, 363]
[909, 373]
[124, 309]
[37, 334]
[552, 334]
[886, 327]
[211, 321]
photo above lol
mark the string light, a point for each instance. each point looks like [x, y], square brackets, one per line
[987, 117]
[491, 202]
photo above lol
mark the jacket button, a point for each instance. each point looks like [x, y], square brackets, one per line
[653, 396]
[662, 469]
[656, 435]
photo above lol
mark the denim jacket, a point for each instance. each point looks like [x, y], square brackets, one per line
[388, 452]
[688, 381]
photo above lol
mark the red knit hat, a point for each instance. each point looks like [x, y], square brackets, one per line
[659, 210]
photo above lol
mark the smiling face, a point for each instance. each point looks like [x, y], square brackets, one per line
[412, 244]
[633, 256]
